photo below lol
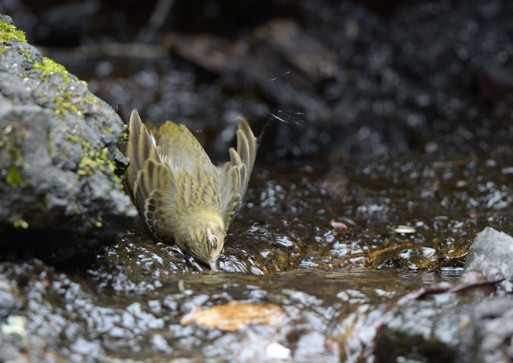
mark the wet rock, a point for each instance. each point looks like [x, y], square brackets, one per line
[10, 300]
[58, 154]
[488, 333]
[492, 253]
[129, 266]
[424, 331]
[38, 324]
[431, 323]
[407, 256]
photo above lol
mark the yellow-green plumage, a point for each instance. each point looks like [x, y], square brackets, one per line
[181, 195]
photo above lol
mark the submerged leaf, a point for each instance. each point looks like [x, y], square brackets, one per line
[234, 315]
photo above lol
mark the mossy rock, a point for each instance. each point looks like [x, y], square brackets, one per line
[61, 197]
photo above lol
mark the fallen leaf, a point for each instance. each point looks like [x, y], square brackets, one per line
[338, 226]
[234, 315]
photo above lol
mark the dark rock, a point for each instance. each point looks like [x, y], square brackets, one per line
[449, 329]
[488, 336]
[431, 330]
[60, 196]
[423, 331]
[492, 253]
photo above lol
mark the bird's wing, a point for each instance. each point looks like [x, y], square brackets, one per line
[234, 174]
[230, 190]
[180, 150]
[139, 149]
[159, 215]
[197, 181]
[150, 182]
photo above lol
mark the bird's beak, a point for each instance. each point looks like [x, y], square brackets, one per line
[213, 264]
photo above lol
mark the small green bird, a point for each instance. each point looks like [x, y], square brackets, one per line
[179, 193]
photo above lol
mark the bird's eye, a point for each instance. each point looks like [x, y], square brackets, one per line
[215, 241]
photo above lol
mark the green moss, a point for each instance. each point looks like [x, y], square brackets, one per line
[49, 66]
[13, 178]
[51, 144]
[47, 200]
[65, 78]
[94, 160]
[9, 32]
[25, 53]
[98, 223]
[88, 163]
[20, 224]
[124, 136]
[63, 107]
[67, 102]
[2, 50]
[91, 99]
[73, 138]
[65, 152]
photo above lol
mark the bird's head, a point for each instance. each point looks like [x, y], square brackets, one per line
[203, 239]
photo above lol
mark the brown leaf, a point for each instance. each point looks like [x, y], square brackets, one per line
[234, 315]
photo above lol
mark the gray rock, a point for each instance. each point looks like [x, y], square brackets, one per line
[492, 253]
[423, 331]
[449, 328]
[488, 336]
[453, 328]
[6, 19]
[60, 195]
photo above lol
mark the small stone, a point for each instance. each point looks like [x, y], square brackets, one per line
[277, 351]
[404, 229]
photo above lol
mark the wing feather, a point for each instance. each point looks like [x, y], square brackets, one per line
[247, 149]
[150, 181]
[158, 215]
[138, 149]
[234, 174]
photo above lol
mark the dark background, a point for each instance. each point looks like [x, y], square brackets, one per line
[341, 78]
